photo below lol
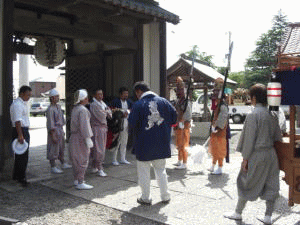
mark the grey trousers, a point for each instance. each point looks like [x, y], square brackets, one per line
[242, 203]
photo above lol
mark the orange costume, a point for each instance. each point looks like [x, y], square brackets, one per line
[182, 135]
[183, 141]
[218, 143]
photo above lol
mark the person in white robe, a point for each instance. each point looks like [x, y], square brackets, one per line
[259, 173]
[80, 139]
[56, 134]
[99, 112]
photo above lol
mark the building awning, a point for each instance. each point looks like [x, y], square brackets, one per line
[147, 9]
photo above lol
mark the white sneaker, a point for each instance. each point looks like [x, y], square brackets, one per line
[66, 166]
[125, 162]
[56, 170]
[211, 169]
[178, 163]
[181, 167]
[266, 220]
[115, 163]
[218, 171]
[94, 170]
[101, 173]
[233, 216]
[76, 182]
[84, 186]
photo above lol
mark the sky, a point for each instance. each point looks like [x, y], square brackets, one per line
[207, 24]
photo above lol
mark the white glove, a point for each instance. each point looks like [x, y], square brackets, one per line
[213, 129]
[180, 125]
[89, 142]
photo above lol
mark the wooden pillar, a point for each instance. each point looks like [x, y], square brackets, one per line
[163, 59]
[139, 59]
[6, 76]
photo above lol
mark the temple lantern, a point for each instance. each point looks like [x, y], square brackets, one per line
[274, 93]
[49, 51]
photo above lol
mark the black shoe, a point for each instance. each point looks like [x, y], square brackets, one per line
[166, 201]
[24, 183]
[142, 202]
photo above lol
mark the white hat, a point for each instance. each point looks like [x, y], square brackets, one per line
[19, 148]
[80, 95]
[53, 92]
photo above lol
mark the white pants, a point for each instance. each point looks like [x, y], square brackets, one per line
[143, 171]
[122, 143]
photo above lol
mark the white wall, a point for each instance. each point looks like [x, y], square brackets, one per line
[24, 67]
[61, 86]
[152, 56]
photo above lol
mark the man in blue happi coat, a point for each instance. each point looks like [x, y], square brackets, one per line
[151, 119]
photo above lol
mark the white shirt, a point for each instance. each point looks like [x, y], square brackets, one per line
[124, 105]
[19, 112]
[125, 108]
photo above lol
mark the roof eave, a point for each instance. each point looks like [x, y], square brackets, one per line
[150, 10]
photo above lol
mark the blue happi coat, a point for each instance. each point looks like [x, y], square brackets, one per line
[150, 120]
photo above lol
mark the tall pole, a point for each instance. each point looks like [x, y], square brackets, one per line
[229, 57]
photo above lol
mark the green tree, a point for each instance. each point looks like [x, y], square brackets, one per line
[262, 60]
[238, 77]
[200, 56]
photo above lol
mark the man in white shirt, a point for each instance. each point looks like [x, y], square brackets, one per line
[20, 121]
[125, 104]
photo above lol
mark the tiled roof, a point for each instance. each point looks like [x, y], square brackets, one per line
[148, 9]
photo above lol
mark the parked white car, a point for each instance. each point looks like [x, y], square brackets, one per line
[198, 105]
[39, 108]
[238, 113]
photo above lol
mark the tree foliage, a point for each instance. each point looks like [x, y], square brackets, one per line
[201, 56]
[238, 77]
[262, 60]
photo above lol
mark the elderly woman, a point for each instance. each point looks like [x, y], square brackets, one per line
[56, 134]
[259, 174]
[80, 140]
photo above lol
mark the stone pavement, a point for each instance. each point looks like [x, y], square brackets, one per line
[197, 197]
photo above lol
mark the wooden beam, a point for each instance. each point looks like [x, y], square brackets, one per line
[33, 25]
[23, 48]
[6, 83]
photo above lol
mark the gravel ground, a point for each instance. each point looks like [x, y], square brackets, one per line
[41, 205]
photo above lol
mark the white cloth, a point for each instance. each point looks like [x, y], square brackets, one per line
[122, 143]
[53, 92]
[124, 105]
[101, 103]
[89, 143]
[148, 93]
[143, 170]
[82, 94]
[19, 112]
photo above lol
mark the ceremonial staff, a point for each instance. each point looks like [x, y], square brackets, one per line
[185, 104]
[222, 94]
